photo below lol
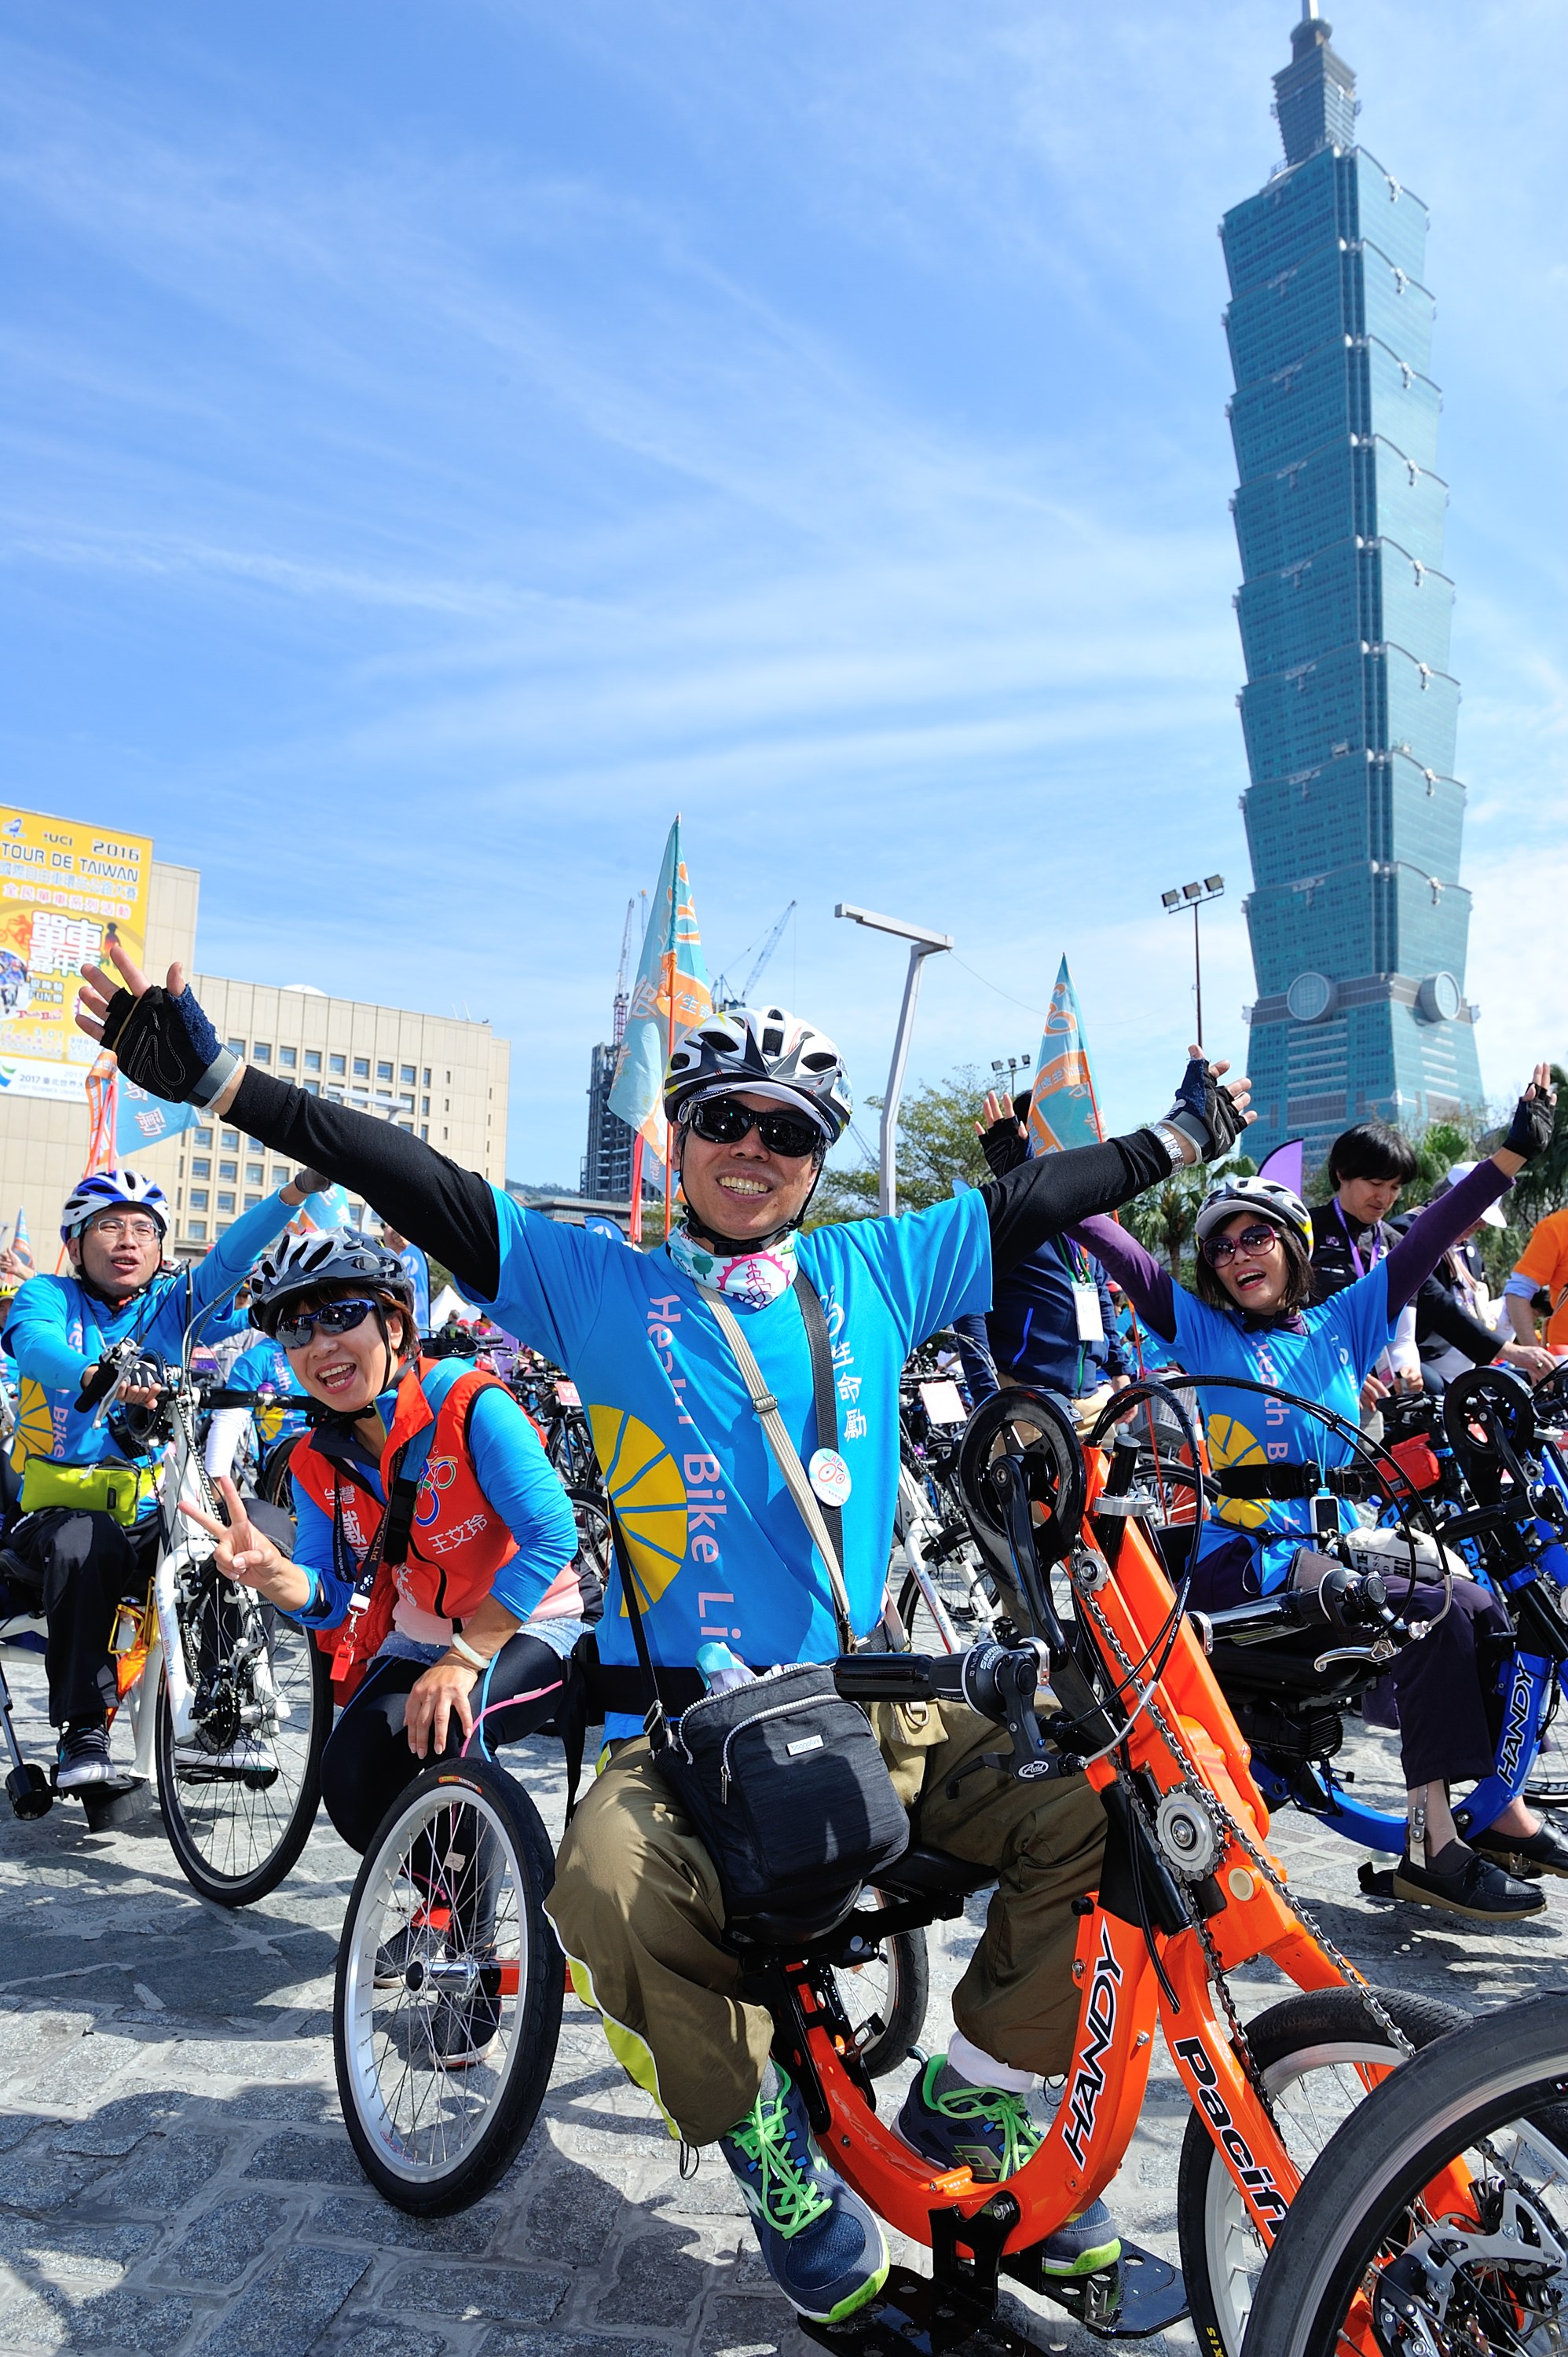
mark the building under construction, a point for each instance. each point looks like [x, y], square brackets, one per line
[606, 1164]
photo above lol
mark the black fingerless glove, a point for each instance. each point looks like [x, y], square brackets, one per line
[1205, 1110]
[1530, 1131]
[167, 1045]
[1003, 1147]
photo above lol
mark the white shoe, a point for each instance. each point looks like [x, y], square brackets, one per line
[83, 1758]
[248, 1756]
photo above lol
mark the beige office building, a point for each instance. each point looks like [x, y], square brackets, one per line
[442, 1078]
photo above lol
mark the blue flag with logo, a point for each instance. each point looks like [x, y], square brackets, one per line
[1064, 1110]
[141, 1121]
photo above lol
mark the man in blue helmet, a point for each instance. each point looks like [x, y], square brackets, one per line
[87, 1535]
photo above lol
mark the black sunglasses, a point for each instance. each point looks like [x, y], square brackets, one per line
[333, 1317]
[725, 1121]
[1217, 1250]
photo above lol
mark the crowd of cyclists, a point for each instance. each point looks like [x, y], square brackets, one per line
[634, 1477]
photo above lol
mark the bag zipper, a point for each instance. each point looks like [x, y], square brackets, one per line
[779, 1710]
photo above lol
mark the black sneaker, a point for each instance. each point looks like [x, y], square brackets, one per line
[83, 1756]
[463, 2029]
[1461, 1883]
[1525, 1855]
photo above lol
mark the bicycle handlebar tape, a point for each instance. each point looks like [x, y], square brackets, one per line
[167, 1045]
[1205, 1112]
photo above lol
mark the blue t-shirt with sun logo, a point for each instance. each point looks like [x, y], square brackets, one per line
[716, 1542]
[1327, 1358]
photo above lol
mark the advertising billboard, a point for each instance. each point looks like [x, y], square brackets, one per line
[67, 890]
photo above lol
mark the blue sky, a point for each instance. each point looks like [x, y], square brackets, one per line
[440, 441]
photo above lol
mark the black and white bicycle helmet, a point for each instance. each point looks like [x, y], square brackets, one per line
[1264, 1197]
[101, 1191]
[323, 1256]
[769, 1053]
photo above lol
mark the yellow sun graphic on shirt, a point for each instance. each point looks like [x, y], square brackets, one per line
[35, 1425]
[649, 1497]
[1231, 1443]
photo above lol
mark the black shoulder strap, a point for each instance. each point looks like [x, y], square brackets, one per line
[653, 1720]
[824, 1394]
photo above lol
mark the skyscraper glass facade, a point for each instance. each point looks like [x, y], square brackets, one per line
[1357, 916]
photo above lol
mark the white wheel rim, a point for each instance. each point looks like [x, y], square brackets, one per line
[1232, 2246]
[425, 2118]
[236, 1827]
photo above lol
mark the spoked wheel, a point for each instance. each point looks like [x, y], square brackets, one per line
[884, 1999]
[969, 1597]
[275, 1485]
[1308, 2048]
[240, 1796]
[447, 2005]
[1436, 2224]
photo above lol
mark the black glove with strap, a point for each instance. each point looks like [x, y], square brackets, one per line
[1530, 1130]
[1004, 1146]
[167, 1045]
[1205, 1112]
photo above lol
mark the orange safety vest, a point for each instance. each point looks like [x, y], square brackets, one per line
[439, 1542]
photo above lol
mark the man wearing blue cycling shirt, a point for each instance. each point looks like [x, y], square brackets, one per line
[719, 1548]
[78, 1557]
[278, 1409]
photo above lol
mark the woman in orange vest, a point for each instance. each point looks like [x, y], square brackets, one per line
[433, 1534]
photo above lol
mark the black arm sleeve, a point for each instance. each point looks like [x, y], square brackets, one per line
[1439, 1312]
[448, 1211]
[1039, 1199]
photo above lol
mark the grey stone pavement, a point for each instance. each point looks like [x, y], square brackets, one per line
[175, 2177]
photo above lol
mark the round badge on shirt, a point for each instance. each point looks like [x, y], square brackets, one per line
[829, 1475]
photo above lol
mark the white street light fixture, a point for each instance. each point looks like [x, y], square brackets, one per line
[1195, 896]
[923, 943]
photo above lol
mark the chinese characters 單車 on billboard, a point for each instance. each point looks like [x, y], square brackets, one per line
[67, 892]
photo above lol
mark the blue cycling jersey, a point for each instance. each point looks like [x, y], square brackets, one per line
[57, 1330]
[1338, 1343]
[265, 1367]
[716, 1540]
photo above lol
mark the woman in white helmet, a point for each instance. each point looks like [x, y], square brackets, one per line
[1251, 1313]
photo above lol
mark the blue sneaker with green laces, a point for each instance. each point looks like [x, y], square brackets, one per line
[822, 2246]
[990, 2132]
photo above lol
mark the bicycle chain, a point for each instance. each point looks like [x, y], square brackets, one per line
[1371, 2004]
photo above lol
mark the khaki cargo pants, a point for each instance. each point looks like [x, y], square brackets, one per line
[637, 1910]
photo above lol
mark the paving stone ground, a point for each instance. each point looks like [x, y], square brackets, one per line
[175, 2177]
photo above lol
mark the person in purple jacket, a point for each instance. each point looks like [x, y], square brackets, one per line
[1251, 1313]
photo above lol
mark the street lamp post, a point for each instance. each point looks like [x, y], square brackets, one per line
[922, 945]
[1195, 897]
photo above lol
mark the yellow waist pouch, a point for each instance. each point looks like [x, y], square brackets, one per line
[117, 1489]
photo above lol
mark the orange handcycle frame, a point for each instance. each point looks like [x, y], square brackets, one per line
[977, 2229]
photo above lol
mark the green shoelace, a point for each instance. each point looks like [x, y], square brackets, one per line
[993, 2107]
[790, 2203]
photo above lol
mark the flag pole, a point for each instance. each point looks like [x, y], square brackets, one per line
[634, 1218]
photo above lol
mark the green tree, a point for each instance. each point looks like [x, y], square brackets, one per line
[937, 1141]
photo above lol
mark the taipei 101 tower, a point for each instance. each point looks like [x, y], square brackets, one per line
[1357, 916]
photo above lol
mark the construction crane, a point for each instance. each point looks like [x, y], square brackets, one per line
[722, 995]
[617, 1032]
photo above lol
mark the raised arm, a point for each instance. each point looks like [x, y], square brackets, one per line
[1442, 1224]
[1046, 1197]
[165, 1044]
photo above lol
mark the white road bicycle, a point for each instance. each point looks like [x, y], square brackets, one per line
[231, 1718]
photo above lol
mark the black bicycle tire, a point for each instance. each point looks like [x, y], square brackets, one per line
[525, 2089]
[1310, 2019]
[244, 1890]
[1499, 2066]
[273, 1484]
